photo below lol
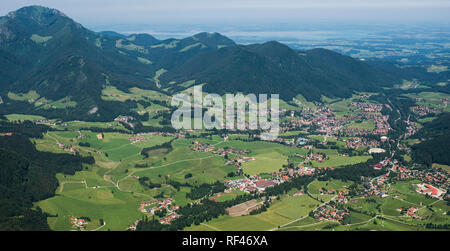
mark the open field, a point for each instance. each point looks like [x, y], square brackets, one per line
[22, 117]
[280, 212]
[430, 99]
[227, 196]
[368, 125]
[406, 192]
[264, 163]
[443, 167]
[336, 160]
[117, 209]
[111, 93]
[30, 97]
[314, 186]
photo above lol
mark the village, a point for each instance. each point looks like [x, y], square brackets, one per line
[165, 206]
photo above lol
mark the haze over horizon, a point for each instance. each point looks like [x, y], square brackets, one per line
[171, 14]
[252, 21]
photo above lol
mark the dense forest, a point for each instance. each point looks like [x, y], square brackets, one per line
[27, 176]
[434, 146]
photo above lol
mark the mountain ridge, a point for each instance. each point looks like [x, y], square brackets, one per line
[43, 50]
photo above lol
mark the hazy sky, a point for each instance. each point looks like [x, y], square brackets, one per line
[93, 13]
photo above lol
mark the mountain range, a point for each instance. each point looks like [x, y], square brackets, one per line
[44, 51]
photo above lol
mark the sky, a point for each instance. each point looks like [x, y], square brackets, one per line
[111, 13]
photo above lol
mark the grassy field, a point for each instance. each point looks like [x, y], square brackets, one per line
[264, 163]
[89, 193]
[280, 212]
[31, 96]
[443, 167]
[430, 99]
[115, 146]
[110, 189]
[111, 93]
[77, 125]
[204, 167]
[228, 196]
[368, 125]
[22, 117]
[336, 160]
[117, 209]
[406, 192]
[314, 186]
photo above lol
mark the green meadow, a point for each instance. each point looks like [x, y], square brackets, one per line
[281, 212]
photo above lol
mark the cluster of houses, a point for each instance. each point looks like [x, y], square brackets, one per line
[323, 120]
[45, 121]
[342, 196]
[81, 136]
[157, 205]
[136, 139]
[165, 134]
[357, 142]
[160, 205]
[304, 170]
[67, 148]
[378, 187]
[288, 142]
[422, 110]
[367, 107]
[381, 123]
[126, 120]
[330, 213]
[411, 212]
[205, 147]
[238, 161]
[312, 156]
[386, 163]
[134, 225]
[77, 223]
[254, 184]
[436, 181]
[169, 218]
[411, 129]
[289, 173]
